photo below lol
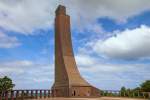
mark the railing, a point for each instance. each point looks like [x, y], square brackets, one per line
[130, 94]
[25, 94]
[36, 94]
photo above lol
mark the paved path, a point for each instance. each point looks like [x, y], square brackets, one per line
[102, 98]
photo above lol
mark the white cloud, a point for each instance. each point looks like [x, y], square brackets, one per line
[25, 74]
[128, 44]
[25, 16]
[20, 64]
[91, 28]
[8, 41]
[40, 74]
[43, 79]
[84, 13]
[16, 67]
[7, 71]
[104, 74]
[85, 60]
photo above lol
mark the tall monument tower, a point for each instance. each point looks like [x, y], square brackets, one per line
[68, 81]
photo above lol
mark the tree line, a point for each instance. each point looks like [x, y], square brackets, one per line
[144, 87]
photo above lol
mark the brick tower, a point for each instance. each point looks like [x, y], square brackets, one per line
[68, 81]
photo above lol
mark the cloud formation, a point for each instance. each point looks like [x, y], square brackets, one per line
[26, 16]
[25, 73]
[128, 44]
[8, 41]
[106, 73]
[85, 13]
[16, 67]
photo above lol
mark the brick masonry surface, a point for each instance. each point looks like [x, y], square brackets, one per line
[68, 81]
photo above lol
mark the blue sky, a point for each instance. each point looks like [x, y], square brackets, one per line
[111, 41]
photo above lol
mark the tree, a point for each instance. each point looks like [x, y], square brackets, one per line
[123, 91]
[6, 84]
[137, 89]
[146, 86]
